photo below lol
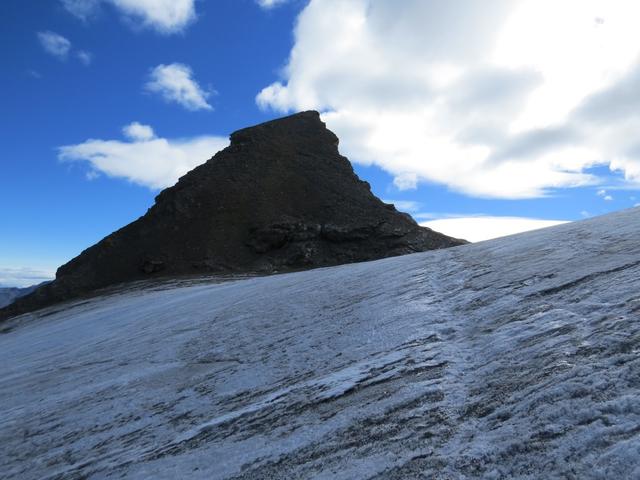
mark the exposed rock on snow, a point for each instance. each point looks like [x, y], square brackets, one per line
[513, 358]
[279, 198]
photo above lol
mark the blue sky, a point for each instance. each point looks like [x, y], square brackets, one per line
[106, 101]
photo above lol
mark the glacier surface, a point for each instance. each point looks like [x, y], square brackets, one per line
[511, 358]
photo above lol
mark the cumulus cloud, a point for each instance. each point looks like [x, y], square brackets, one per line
[24, 277]
[479, 228]
[145, 159]
[175, 84]
[55, 44]
[469, 94]
[137, 132]
[164, 16]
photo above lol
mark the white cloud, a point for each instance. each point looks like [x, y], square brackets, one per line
[406, 181]
[175, 83]
[470, 94]
[85, 57]
[24, 277]
[267, 4]
[83, 9]
[164, 16]
[60, 47]
[137, 132]
[477, 229]
[605, 196]
[55, 44]
[405, 205]
[147, 159]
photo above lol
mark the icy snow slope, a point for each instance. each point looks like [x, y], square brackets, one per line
[513, 358]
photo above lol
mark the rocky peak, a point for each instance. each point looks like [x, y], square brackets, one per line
[279, 198]
[304, 130]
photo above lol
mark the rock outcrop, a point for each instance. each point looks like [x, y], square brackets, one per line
[279, 198]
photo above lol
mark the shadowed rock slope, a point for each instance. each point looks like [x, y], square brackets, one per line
[279, 198]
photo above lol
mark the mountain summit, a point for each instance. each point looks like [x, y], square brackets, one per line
[279, 198]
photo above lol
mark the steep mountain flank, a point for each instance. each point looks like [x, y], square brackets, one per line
[279, 198]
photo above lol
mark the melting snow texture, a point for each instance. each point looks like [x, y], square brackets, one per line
[512, 358]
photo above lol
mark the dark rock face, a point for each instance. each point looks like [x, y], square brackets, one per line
[279, 198]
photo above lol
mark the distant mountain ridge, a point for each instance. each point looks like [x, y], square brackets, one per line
[279, 198]
[9, 294]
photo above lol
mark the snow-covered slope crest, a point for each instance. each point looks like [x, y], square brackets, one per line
[512, 358]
